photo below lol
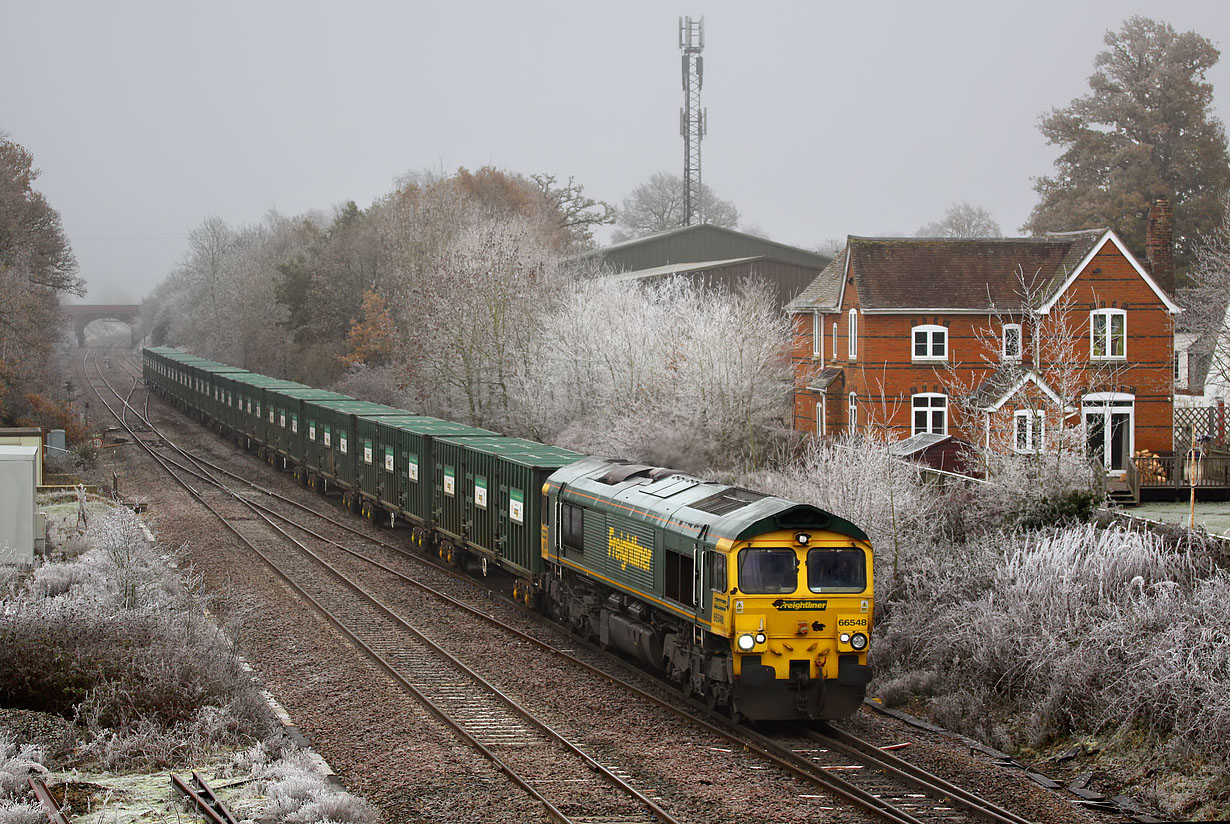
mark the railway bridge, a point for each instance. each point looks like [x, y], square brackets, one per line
[82, 315]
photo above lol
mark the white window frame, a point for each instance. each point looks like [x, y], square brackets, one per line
[1039, 427]
[1020, 342]
[930, 332]
[820, 416]
[834, 341]
[817, 337]
[1107, 318]
[928, 408]
[852, 412]
[852, 331]
[1180, 368]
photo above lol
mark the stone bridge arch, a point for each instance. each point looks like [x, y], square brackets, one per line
[82, 315]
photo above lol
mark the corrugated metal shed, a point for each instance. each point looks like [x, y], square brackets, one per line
[786, 279]
[699, 243]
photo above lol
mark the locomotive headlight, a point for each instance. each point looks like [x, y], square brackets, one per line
[760, 638]
[844, 638]
[746, 642]
[858, 641]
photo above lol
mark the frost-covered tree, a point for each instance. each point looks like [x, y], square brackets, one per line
[657, 206]
[469, 329]
[962, 221]
[671, 373]
[1207, 303]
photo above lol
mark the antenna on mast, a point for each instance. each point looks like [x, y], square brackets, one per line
[693, 120]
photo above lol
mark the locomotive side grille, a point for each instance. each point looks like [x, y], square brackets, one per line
[727, 501]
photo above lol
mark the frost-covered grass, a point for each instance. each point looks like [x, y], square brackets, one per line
[17, 763]
[289, 789]
[1075, 630]
[113, 640]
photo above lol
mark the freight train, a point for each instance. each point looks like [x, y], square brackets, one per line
[754, 603]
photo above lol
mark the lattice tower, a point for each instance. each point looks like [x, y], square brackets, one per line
[693, 120]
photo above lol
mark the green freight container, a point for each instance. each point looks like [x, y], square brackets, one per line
[221, 378]
[331, 445]
[183, 383]
[397, 471]
[488, 496]
[274, 420]
[245, 416]
[285, 436]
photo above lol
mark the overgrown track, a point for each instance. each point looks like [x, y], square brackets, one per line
[895, 793]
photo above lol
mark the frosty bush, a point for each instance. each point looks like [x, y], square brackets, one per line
[294, 792]
[17, 763]
[113, 640]
[21, 812]
[1076, 629]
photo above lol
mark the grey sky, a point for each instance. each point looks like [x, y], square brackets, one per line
[824, 118]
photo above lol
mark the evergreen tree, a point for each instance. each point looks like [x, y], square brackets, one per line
[1145, 130]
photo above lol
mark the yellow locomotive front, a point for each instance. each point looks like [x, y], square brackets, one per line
[798, 613]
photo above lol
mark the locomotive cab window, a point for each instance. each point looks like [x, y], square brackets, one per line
[768, 571]
[572, 527]
[836, 569]
[717, 572]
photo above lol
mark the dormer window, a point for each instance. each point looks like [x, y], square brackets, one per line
[1012, 342]
[1108, 334]
[930, 343]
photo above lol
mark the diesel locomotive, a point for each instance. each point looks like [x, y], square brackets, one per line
[754, 603]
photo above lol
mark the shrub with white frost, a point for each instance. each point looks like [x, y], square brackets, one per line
[292, 791]
[1079, 629]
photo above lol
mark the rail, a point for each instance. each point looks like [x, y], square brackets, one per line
[202, 797]
[835, 785]
[54, 815]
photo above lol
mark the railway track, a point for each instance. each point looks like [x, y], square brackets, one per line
[571, 785]
[495, 724]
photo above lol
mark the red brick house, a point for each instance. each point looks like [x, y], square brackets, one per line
[995, 341]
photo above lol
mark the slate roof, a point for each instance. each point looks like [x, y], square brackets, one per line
[940, 273]
[829, 374]
[823, 293]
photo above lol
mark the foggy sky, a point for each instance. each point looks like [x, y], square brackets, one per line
[825, 119]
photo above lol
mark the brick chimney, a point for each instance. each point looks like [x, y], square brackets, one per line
[1159, 245]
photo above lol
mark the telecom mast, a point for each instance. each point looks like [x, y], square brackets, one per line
[693, 120]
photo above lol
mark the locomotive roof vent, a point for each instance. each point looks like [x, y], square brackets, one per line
[727, 501]
[619, 473]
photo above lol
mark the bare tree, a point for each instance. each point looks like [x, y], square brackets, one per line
[962, 221]
[657, 206]
[1207, 302]
[578, 213]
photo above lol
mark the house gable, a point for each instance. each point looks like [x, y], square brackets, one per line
[1084, 264]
